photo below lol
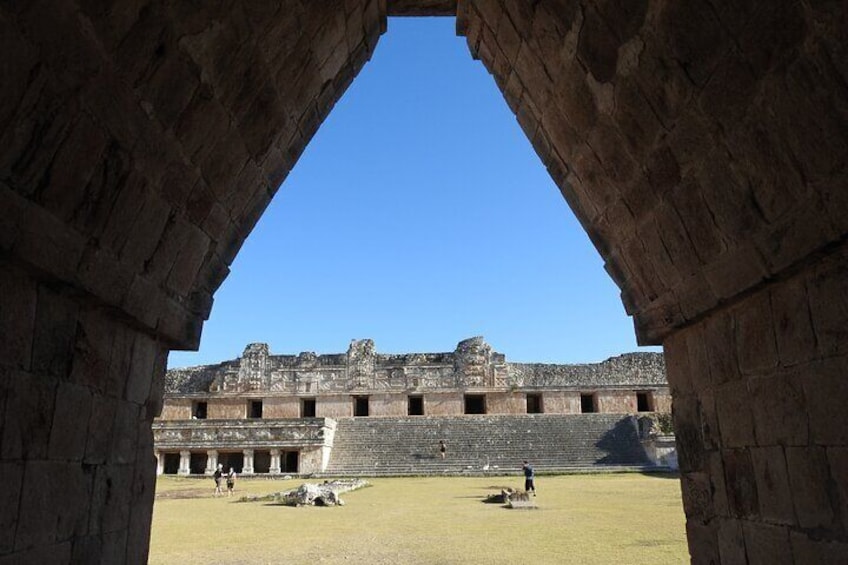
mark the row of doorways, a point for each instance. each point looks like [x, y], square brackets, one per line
[289, 462]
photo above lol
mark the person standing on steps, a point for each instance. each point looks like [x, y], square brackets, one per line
[529, 478]
[443, 449]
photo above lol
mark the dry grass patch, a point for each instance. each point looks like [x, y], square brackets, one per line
[627, 518]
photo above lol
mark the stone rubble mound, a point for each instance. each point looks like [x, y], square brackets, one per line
[324, 494]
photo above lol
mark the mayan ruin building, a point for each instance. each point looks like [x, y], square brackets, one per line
[265, 413]
[702, 145]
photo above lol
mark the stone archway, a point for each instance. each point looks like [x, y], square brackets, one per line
[702, 145]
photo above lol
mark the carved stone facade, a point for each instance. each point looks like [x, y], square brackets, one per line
[290, 402]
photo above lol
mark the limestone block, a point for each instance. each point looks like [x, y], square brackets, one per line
[68, 436]
[115, 548]
[828, 292]
[767, 545]
[805, 549]
[740, 479]
[13, 472]
[111, 498]
[54, 503]
[809, 477]
[717, 483]
[796, 341]
[73, 166]
[702, 539]
[687, 428]
[30, 401]
[140, 375]
[838, 459]
[756, 344]
[720, 339]
[17, 317]
[773, 485]
[697, 498]
[100, 426]
[124, 434]
[52, 553]
[826, 389]
[780, 409]
[87, 549]
[731, 541]
[735, 415]
[92, 347]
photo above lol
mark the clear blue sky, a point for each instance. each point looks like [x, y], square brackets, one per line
[419, 215]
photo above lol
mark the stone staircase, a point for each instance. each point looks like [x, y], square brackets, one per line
[489, 444]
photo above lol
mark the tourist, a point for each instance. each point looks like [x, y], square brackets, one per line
[443, 448]
[231, 481]
[217, 477]
[529, 478]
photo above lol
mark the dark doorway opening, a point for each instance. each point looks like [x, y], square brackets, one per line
[360, 405]
[197, 463]
[172, 464]
[415, 406]
[307, 408]
[290, 462]
[534, 404]
[587, 403]
[644, 402]
[198, 410]
[475, 403]
[261, 461]
[234, 459]
[255, 409]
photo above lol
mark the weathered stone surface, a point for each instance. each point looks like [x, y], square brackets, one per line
[110, 113]
[324, 494]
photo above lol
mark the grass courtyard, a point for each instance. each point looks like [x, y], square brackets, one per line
[603, 519]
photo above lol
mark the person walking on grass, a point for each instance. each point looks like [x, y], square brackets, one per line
[529, 478]
[216, 476]
[231, 481]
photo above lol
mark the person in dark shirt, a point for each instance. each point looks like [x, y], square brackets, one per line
[529, 478]
[443, 449]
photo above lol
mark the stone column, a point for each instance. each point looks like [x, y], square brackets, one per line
[211, 461]
[185, 463]
[275, 462]
[248, 462]
[160, 462]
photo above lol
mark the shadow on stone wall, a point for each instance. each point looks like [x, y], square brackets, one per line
[622, 445]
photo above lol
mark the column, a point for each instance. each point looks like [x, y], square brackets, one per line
[160, 463]
[248, 462]
[275, 462]
[185, 463]
[211, 461]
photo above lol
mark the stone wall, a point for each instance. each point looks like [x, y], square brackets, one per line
[473, 365]
[701, 145]
[78, 393]
[762, 431]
